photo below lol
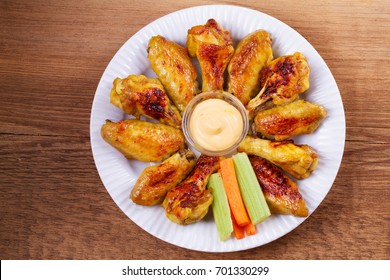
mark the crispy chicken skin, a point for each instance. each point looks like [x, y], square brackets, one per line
[143, 141]
[138, 95]
[174, 68]
[281, 193]
[251, 55]
[213, 47]
[281, 81]
[155, 181]
[282, 122]
[189, 201]
[298, 160]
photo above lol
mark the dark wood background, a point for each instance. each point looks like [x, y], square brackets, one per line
[52, 202]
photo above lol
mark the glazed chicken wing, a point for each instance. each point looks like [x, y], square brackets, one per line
[213, 47]
[282, 122]
[141, 140]
[251, 55]
[155, 181]
[298, 160]
[281, 81]
[281, 193]
[175, 70]
[139, 95]
[189, 201]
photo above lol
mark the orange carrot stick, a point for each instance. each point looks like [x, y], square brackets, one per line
[233, 194]
[238, 231]
[250, 229]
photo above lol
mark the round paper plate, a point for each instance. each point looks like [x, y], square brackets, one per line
[119, 174]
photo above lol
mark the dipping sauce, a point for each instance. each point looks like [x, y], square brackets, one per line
[216, 125]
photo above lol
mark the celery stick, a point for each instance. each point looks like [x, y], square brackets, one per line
[220, 206]
[250, 189]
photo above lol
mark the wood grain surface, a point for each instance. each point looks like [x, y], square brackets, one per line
[52, 202]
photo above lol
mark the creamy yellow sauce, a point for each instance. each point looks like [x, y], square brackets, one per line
[215, 124]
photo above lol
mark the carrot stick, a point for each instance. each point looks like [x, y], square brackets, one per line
[233, 192]
[238, 231]
[250, 229]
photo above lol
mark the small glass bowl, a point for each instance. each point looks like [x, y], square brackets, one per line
[231, 99]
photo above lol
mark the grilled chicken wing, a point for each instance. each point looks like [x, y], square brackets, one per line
[138, 95]
[281, 193]
[281, 81]
[189, 201]
[298, 160]
[251, 55]
[213, 47]
[155, 181]
[283, 122]
[141, 140]
[175, 70]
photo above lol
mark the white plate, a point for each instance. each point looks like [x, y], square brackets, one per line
[119, 175]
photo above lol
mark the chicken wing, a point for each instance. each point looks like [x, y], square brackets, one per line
[138, 95]
[281, 81]
[281, 193]
[251, 55]
[298, 160]
[213, 47]
[155, 181]
[282, 122]
[141, 140]
[175, 70]
[189, 201]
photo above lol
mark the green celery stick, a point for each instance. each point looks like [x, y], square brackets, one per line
[220, 206]
[250, 189]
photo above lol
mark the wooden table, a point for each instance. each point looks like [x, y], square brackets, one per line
[53, 204]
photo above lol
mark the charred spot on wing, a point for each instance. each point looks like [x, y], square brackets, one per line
[286, 68]
[153, 102]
